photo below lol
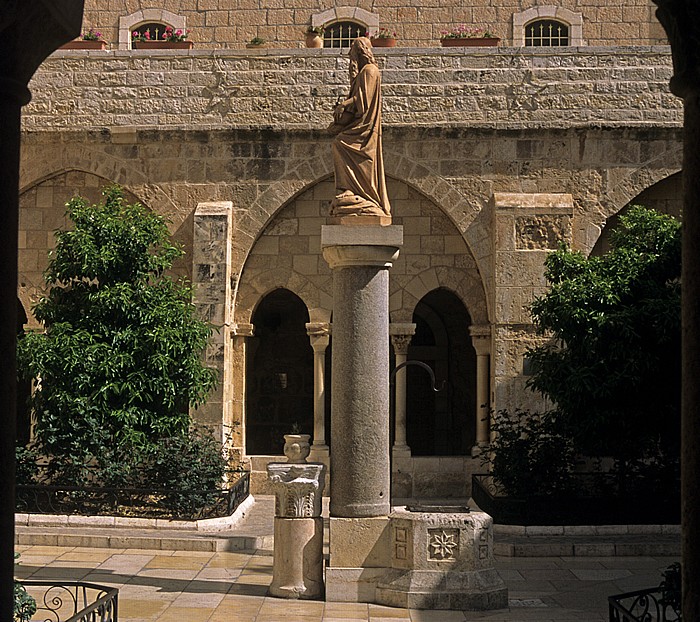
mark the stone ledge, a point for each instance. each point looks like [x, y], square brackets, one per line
[224, 523]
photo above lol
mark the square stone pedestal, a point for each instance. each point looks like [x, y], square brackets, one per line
[359, 558]
[442, 561]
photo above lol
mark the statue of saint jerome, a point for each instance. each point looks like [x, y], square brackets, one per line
[357, 147]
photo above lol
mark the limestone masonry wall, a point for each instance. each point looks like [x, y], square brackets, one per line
[230, 23]
[500, 88]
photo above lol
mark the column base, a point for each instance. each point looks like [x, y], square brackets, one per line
[479, 449]
[401, 451]
[319, 453]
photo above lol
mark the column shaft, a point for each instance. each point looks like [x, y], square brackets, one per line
[360, 406]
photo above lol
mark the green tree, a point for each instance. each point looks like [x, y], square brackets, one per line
[613, 365]
[119, 362]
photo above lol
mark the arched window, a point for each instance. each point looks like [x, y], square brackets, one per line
[342, 34]
[151, 20]
[155, 30]
[546, 33]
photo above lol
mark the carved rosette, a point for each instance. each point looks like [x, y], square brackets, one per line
[298, 488]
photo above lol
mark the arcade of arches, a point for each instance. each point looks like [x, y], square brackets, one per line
[275, 361]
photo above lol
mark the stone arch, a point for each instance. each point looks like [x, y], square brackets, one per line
[346, 13]
[127, 23]
[626, 189]
[461, 210]
[443, 422]
[279, 378]
[37, 167]
[286, 253]
[558, 13]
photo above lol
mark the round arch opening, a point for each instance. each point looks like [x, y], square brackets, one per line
[441, 423]
[279, 378]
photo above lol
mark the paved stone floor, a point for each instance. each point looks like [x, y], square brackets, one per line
[187, 586]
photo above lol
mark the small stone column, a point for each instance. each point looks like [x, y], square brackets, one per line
[401, 335]
[240, 333]
[481, 340]
[297, 570]
[319, 335]
[360, 257]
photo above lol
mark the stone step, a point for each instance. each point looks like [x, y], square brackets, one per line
[644, 545]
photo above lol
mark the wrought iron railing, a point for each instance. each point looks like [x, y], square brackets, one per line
[73, 601]
[642, 606]
[90, 501]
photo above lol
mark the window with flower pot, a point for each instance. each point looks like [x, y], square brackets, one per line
[148, 20]
[153, 31]
[547, 26]
[342, 24]
[547, 33]
[342, 34]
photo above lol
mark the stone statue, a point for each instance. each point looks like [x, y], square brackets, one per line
[357, 147]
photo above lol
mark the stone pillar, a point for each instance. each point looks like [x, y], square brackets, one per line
[297, 570]
[319, 334]
[360, 258]
[481, 340]
[401, 335]
[30, 32]
[681, 20]
[526, 228]
[211, 278]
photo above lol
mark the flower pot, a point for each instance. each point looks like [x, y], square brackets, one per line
[470, 42]
[254, 46]
[79, 44]
[161, 45]
[296, 447]
[314, 40]
[383, 42]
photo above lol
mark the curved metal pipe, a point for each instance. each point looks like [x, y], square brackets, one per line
[425, 366]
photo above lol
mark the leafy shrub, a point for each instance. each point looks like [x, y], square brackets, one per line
[120, 361]
[529, 456]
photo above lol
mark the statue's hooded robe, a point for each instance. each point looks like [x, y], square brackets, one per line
[357, 150]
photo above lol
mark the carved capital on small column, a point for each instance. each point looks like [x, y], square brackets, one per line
[298, 488]
[319, 335]
[401, 335]
[481, 339]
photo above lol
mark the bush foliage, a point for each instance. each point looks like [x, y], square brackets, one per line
[613, 365]
[119, 363]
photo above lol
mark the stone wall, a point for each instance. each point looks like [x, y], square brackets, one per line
[230, 24]
[501, 88]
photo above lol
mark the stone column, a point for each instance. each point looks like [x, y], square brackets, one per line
[681, 20]
[401, 335]
[360, 258]
[481, 340]
[297, 570]
[319, 335]
[239, 335]
[30, 32]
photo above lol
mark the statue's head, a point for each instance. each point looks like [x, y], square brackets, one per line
[361, 52]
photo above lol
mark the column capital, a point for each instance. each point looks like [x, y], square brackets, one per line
[243, 330]
[481, 339]
[319, 335]
[401, 335]
[345, 245]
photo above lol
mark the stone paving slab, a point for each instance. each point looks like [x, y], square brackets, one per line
[208, 586]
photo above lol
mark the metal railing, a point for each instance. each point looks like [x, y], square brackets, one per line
[642, 606]
[151, 502]
[73, 601]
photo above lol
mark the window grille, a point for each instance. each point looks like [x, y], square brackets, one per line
[547, 33]
[156, 30]
[342, 34]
